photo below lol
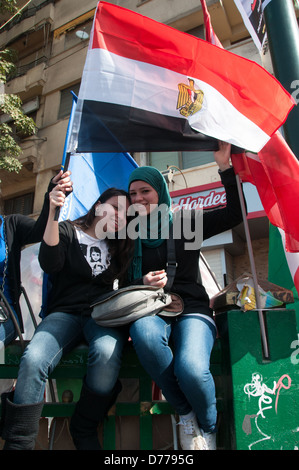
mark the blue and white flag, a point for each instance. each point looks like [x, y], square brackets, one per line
[92, 174]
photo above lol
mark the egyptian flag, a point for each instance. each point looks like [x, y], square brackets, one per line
[275, 173]
[157, 89]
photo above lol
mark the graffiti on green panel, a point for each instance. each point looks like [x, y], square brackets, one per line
[269, 408]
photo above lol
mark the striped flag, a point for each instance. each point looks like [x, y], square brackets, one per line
[275, 173]
[158, 89]
[92, 174]
[283, 266]
[211, 37]
[253, 18]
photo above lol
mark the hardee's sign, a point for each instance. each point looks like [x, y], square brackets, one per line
[211, 200]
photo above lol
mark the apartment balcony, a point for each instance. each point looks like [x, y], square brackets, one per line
[29, 80]
[32, 19]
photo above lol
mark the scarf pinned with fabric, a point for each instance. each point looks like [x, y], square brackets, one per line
[157, 222]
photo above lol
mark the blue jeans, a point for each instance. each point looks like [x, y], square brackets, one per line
[56, 335]
[183, 376]
[7, 332]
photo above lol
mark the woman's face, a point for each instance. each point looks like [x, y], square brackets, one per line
[143, 194]
[111, 216]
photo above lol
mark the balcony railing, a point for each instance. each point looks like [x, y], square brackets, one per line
[23, 69]
[27, 13]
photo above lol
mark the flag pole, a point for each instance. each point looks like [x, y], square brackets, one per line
[64, 168]
[253, 270]
[67, 146]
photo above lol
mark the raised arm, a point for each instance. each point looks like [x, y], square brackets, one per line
[222, 156]
[56, 197]
[225, 218]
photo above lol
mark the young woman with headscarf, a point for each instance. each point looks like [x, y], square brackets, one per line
[180, 367]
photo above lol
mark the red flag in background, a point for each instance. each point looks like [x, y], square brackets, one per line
[274, 171]
[210, 34]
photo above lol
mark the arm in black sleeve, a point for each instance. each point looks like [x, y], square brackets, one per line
[222, 219]
[29, 230]
[52, 258]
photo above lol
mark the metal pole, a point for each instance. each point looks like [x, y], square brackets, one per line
[283, 38]
[253, 270]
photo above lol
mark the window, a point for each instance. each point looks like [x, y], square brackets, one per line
[161, 160]
[198, 32]
[19, 205]
[66, 100]
[183, 160]
[78, 35]
[191, 159]
[29, 108]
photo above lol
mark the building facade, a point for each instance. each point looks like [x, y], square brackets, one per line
[51, 38]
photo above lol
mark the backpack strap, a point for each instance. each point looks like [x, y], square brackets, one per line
[171, 260]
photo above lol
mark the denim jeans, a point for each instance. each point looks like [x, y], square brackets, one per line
[184, 376]
[7, 332]
[56, 335]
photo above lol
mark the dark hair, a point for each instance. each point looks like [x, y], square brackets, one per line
[121, 250]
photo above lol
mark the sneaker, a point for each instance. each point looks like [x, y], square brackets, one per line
[190, 435]
[208, 440]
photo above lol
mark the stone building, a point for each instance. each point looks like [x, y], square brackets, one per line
[51, 37]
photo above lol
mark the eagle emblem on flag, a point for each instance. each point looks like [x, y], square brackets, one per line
[189, 99]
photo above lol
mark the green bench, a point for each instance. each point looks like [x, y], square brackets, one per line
[68, 380]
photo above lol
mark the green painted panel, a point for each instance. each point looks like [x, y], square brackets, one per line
[265, 393]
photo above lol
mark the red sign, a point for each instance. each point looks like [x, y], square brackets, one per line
[200, 202]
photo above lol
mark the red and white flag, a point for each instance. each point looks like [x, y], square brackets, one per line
[275, 173]
[292, 260]
[158, 89]
[211, 37]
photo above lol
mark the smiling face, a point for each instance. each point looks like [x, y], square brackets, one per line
[111, 216]
[143, 194]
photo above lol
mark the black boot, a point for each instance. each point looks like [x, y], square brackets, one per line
[4, 397]
[21, 424]
[90, 410]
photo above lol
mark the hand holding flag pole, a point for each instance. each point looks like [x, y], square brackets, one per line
[67, 147]
[64, 168]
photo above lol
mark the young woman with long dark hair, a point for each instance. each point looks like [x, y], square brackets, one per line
[65, 256]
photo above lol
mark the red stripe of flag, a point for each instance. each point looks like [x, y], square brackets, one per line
[128, 34]
[275, 173]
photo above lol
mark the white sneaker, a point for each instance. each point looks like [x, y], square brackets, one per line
[190, 435]
[194, 438]
[208, 440]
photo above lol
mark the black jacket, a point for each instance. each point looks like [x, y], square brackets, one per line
[21, 230]
[215, 221]
[72, 288]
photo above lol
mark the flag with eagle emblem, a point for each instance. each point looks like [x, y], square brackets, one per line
[158, 89]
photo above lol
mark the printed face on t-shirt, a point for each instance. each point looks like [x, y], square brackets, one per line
[95, 251]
